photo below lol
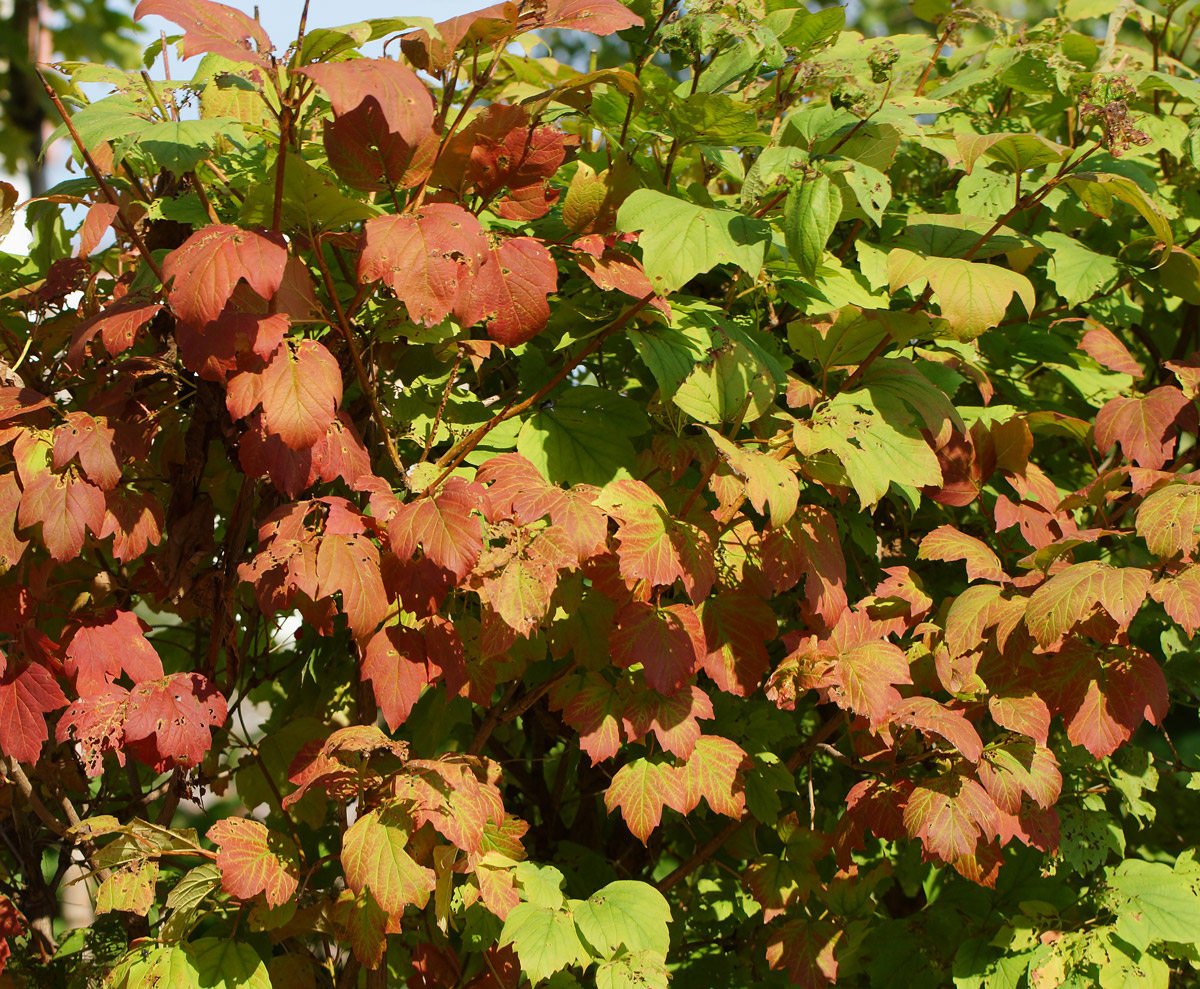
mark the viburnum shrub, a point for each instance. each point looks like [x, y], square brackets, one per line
[730, 513]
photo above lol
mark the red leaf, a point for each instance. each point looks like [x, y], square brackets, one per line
[265, 454]
[253, 860]
[206, 268]
[1104, 695]
[1020, 766]
[15, 402]
[64, 505]
[950, 813]
[367, 155]
[403, 99]
[116, 325]
[1021, 711]
[1180, 596]
[510, 290]
[1146, 426]
[668, 642]
[169, 720]
[211, 27]
[863, 677]
[616, 270]
[738, 624]
[134, 520]
[641, 788]
[1105, 349]
[300, 390]
[97, 724]
[98, 650]
[599, 17]
[446, 527]
[99, 218]
[930, 716]
[809, 546]
[27, 695]
[594, 712]
[808, 950]
[394, 662]
[430, 259]
[672, 719]
[374, 857]
[91, 440]
[350, 564]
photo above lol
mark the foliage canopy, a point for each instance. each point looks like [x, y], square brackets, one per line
[730, 516]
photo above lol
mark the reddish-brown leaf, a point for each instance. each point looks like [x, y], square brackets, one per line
[65, 505]
[368, 155]
[349, 564]
[135, 521]
[374, 857]
[950, 814]
[254, 859]
[394, 662]
[809, 546]
[1104, 695]
[510, 289]
[403, 99]
[27, 694]
[300, 390]
[99, 218]
[211, 27]
[1021, 710]
[1180, 596]
[1016, 767]
[641, 789]
[430, 259]
[169, 721]
[672, 719]
[98, 650]
[948, 543]
[1145, 426]
[117, 327]
[928, 715]
[594, 711]
[864, 678]
[12, 546]
[1104, 348]
[714, 771]
[808, 950]
[91, 440]
[668, 643]
[207, 267]
[738, 624]
[446, 527]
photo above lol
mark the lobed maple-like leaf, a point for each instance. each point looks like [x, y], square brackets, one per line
[429, 258]
[1179, 594]
[403, 100]
[928, 715]
[206, 268]
[135, 521]
[1169, 520]
[374, 857]
[950, 814]
[809, 547]
[66, 506]
[444, 526]
[349, 564]
[672, 719]
[594, 711]
[808, 950]
[1017, 767]
[99, 649]
[169, 721]
[1070, 596]
[641, 789]
[738, 624]
[211, 27]
[1104, 695]
[668, 642]
[365, 923]
[864, 679]
[1106, 349]
[116, 325]
[714, 771]
[12, 546]
[91, 440]
[1021, 710]
[300, 390]
[947, 543]
[509, 291]
[1145, 426]
[449, 794]
[28, 692]
[254, 859]
[394, 662]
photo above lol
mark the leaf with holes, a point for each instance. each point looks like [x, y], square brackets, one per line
[254, 859]
[206, 268]
[99, 649]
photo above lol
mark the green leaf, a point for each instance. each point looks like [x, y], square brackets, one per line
[540, 885]
[629, 913]
[810, 213]
[680, 240]
[641, 970]
[584, 437]
[545, 940]
[1167, 902]
[729, 383]
[168, 967]
[180, 145]
[226, 964]
[310, 200]
[184, 900]
[1077, 273]
[973, 296]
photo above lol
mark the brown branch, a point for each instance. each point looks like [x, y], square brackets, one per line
[941, 43]
[441, 409]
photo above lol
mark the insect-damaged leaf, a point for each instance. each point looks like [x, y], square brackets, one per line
[65, 505]
[300, 390]
[446, 527]
[168, 721]
[667, 642]
[212, 27]
[374, 857]
[402, 98]
[206, 268]
[509, 290]
[98, 650]
[349, 564]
